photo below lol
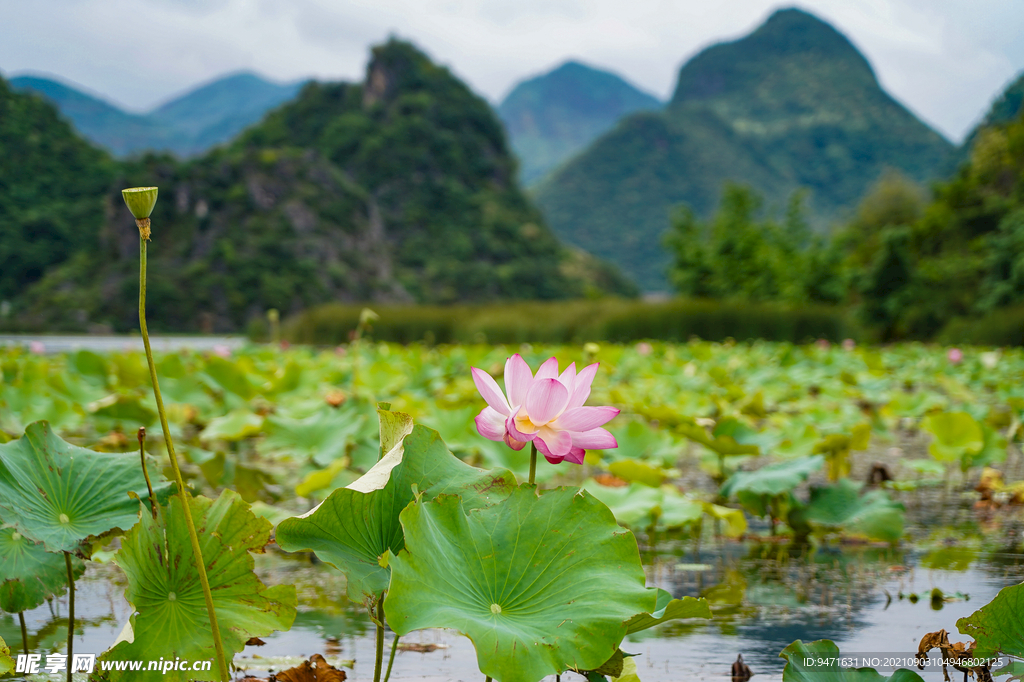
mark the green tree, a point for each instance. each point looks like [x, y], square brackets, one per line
[739, 255]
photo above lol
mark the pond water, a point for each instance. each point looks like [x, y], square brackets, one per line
[764, 596]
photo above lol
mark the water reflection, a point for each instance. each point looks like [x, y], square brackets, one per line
[764, 596]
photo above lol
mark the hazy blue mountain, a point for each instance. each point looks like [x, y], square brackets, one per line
[186, 126]
[792, 105]
[95, 119]
[551, 117]
[216, 112]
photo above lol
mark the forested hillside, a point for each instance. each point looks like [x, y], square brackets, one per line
[52, 189]
[793, 105]
[401, 189]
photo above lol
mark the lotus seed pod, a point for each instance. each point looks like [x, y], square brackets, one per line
[140, 200]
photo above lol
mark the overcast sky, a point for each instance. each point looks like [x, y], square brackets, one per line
[945, 59]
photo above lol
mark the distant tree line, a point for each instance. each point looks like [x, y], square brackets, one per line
[909, 262]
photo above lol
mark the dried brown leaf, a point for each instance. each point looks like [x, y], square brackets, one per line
[316, 669]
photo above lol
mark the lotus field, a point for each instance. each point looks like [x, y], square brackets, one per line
[412, 461]
[552, 511]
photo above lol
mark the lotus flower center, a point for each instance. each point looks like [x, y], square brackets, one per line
[63, 518]
[524, 424]
[495, 609]
[171, 596]
[15, 536]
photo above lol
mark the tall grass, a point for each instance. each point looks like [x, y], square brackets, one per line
[572, 322]
[1004, 327]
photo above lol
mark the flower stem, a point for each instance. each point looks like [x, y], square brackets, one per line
[142, 456]
[379, 661]
[391, 658]
[533, 461]
[182, 491]
[24, 632]
[71, 612]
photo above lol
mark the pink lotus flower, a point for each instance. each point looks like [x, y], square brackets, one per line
[546, 409]
[955, 355]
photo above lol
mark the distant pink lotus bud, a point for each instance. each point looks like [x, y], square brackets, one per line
[546, 408]
[340, 351]
[849, 344]
[36, 348]
[823, 344]
[955, 355]
[644, 348]
[222, 351]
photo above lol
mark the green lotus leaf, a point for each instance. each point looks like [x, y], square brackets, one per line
[124, 408]
[336, 475]
[355, 526]
[730, 437]
[230, 377]
[170, 617]
[667, 609]
[539, 584]
[394, 426]
[818, 662]
[679, 511]
[613, 667]
[90, 366]
[6, 662]
[325, 436]
[635, 505]
[631, 470]
[998, 627]
[235, 425]
[629, 672]
[956, 435]
[841, 506]
[774, 479]
[993, 451]
[641, 506]
[926, 467]
[641, 442]
[1015, 669]
[31, 574]
[735, 521]
[61, 495]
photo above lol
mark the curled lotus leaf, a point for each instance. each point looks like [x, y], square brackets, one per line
[62, 495]
[998, 627]
[539, 584]
[31, 575]
[818, 662]
[170, 618]
[356, 526]
[667, 609]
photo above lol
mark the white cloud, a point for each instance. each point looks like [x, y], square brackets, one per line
[944, 59]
